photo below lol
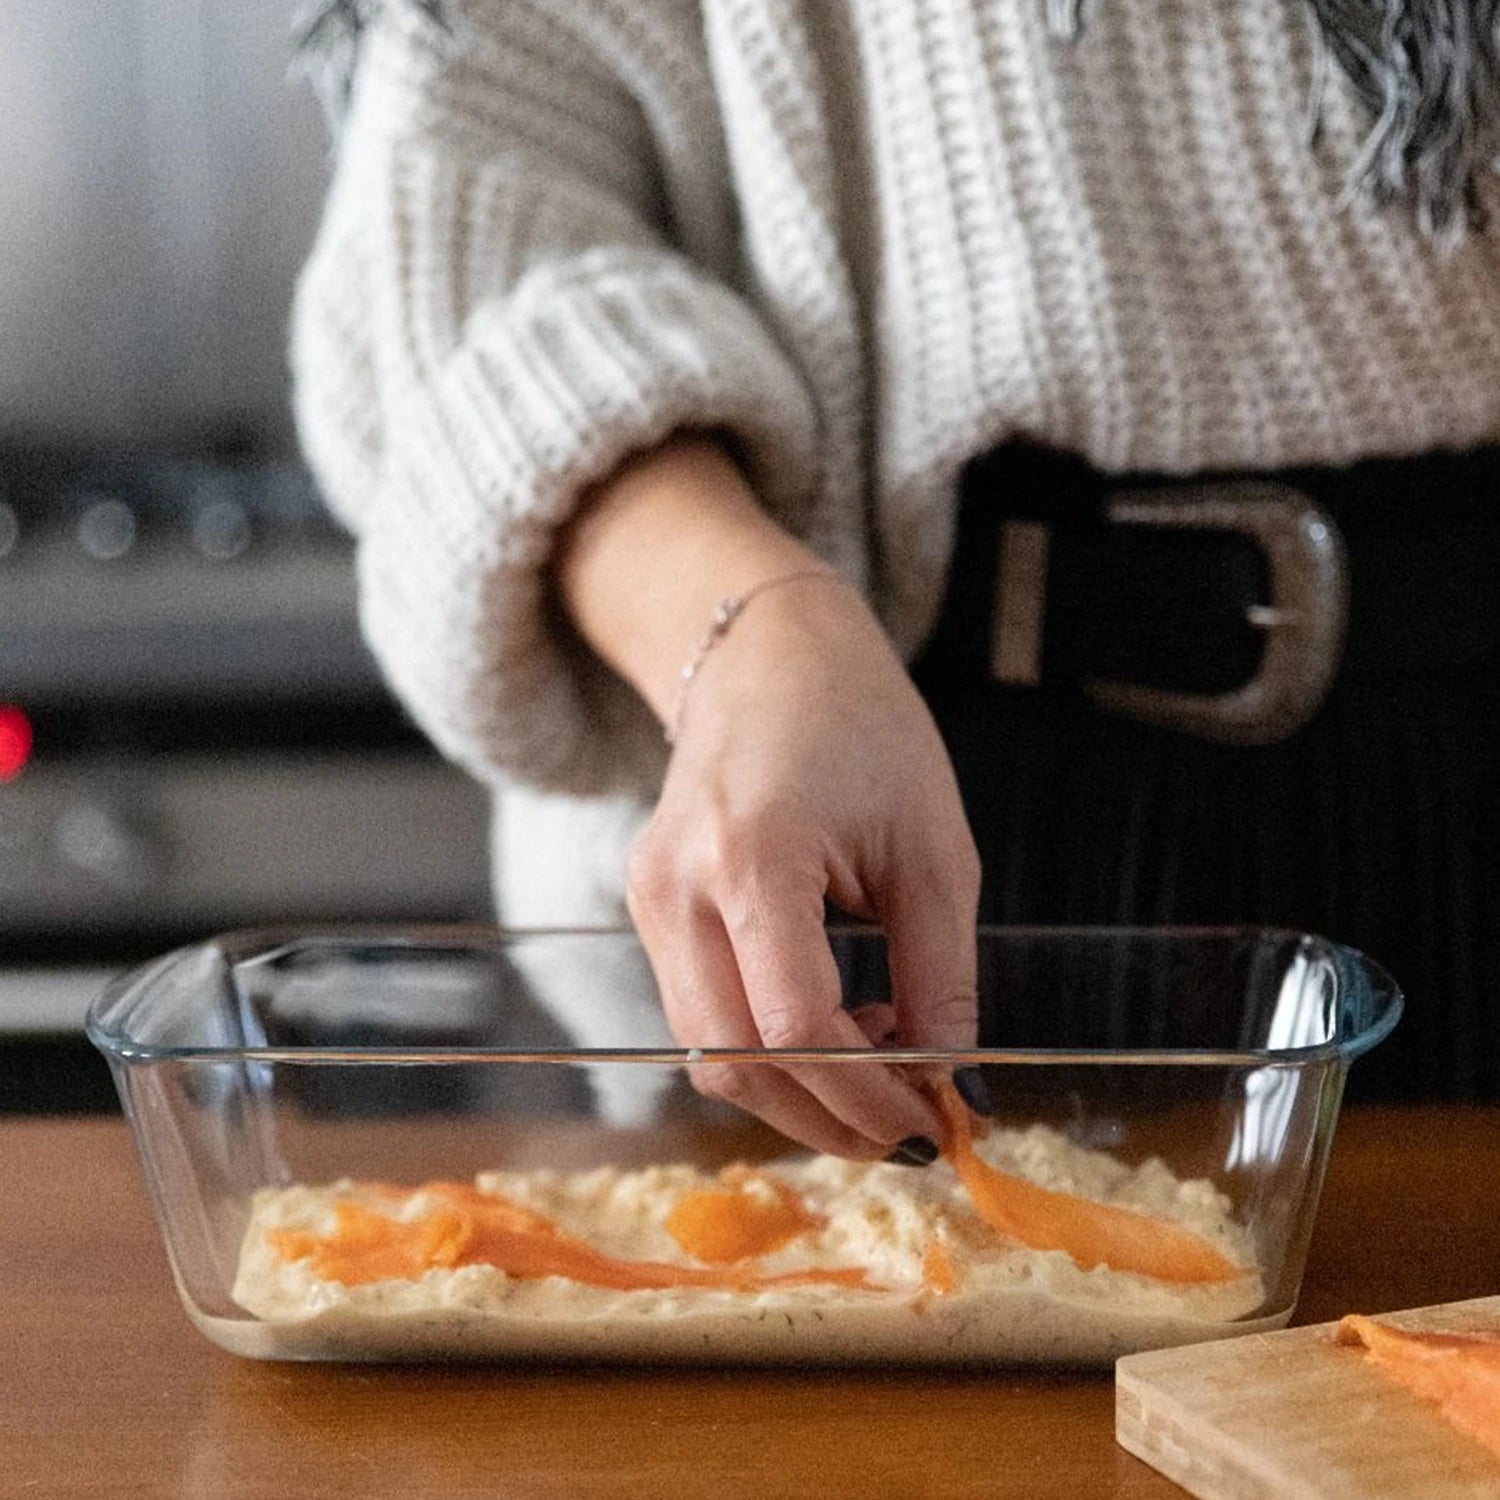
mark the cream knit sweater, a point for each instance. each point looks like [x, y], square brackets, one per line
[864, 238]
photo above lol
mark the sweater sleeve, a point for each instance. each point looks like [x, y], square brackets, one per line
[497, 312]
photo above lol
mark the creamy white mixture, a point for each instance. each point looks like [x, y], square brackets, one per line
[1010, 1305]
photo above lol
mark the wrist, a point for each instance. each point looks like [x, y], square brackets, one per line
[653, 553]
[725, 617]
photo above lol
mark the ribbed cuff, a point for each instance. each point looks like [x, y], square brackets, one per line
[549, 393]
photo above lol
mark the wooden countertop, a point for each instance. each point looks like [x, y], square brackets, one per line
[107, 1390]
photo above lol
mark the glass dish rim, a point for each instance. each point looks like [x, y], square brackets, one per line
[265, 942]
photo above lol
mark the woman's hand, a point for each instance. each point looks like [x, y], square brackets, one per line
[806, 768]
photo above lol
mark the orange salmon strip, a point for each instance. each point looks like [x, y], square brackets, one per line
[1459, 1371]
[475, 1228]
[1093, 1234]
[728, 1224]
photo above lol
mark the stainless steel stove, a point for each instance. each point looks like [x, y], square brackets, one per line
[192, 737]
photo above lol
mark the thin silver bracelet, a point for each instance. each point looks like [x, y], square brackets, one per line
[725, 615]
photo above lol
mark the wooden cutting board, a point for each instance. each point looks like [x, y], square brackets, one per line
[1294, 1416]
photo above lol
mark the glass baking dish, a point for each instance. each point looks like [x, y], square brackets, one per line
[288, 1093]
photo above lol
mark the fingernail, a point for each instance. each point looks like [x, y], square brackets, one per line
[973, 1090]
[914, 1151]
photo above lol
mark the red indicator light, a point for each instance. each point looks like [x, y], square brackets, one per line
[15, 742]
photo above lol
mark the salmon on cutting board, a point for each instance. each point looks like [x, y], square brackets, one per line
[1297, 1416]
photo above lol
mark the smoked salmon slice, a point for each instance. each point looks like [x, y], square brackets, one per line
[469, 1227]
[1459, 1371]
[1093, 1234]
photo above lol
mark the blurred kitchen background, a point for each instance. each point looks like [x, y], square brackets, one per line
[192, 736]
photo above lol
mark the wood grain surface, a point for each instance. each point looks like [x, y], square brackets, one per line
[1296, 1416]
[107, 1390]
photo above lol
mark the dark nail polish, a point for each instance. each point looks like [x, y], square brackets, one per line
[973, 1090]
[914, 1151]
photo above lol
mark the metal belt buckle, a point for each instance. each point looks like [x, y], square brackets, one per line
[1304, 619]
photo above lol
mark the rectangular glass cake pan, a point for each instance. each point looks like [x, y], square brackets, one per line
[443, 1143]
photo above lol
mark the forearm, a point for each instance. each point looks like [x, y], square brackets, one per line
[654, 550]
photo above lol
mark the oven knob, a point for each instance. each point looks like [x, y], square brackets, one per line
[106, 529]
[221, 530]
[101, 841]
[10, 529]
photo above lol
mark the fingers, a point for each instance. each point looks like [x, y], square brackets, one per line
[974, 1089]
[727, 887]
[791, 985]
[765, 1091]
[930, 918]
[706, 1007]
[877, 1021]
